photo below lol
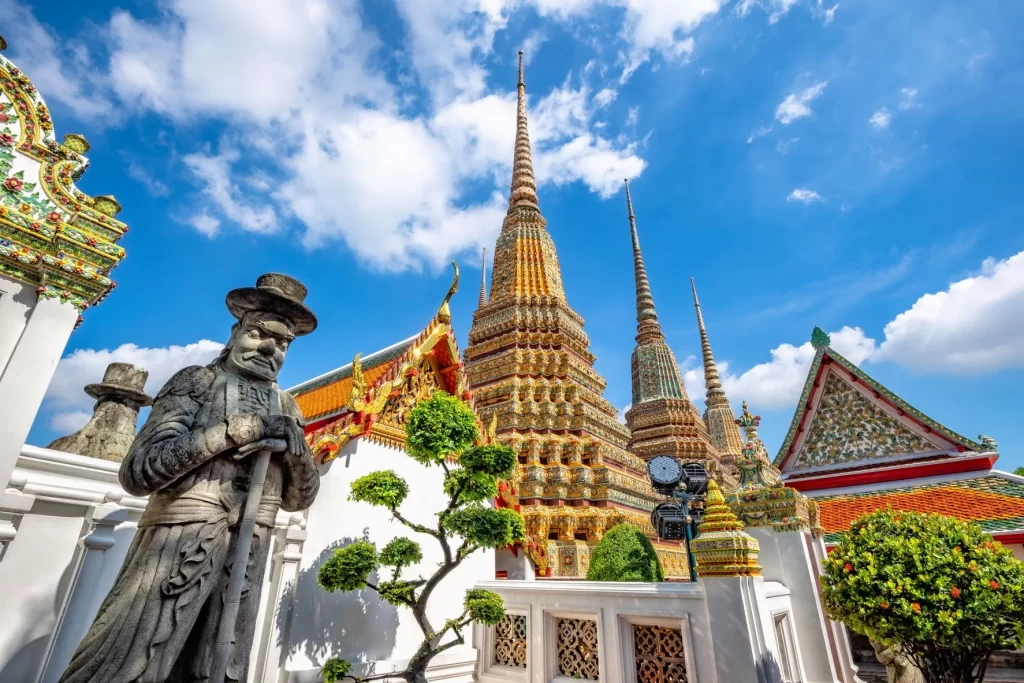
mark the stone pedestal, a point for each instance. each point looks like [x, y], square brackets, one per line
[787, 557]
[28, 373]
[742, 630]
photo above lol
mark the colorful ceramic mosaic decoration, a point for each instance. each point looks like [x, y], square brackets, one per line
[532, 373]
[51, 235]
[723, 547]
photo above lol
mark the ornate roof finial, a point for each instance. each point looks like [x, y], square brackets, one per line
[524, 187]
[483, 278]
[444, 315]
[749, 423]
[647, 326]
[819, 339]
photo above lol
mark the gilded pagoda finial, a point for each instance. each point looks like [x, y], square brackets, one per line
[524, 187]
[648, 328]
[483, 278]
[723, 547]
[444, 315]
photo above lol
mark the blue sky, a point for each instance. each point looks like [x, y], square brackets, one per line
[853, 166]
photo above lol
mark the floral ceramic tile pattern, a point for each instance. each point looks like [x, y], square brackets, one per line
[847, 427]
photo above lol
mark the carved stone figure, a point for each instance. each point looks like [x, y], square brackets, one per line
[898, 667]
[110, 432]
[194, 457]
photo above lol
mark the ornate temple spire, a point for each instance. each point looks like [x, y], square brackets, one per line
[654, 368]
[524, 187]
[483, 278]
[647, 327]
[718, 416]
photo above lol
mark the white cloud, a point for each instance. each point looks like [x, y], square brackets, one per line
[804, 196]
[621, 417]
[155, 187]
[909, 98]
[633, 116]
[70, 422]
[782, 146]
[214, 173]
[797, 104]
[778, 382]
[205, 224]
[975, 325]
[67, 402]
[881, 119]
[775, 9]
[605, 96]
[758, 132]
[827, 14]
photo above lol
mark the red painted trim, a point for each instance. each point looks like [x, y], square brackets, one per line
[933, 468]
[1009, 537]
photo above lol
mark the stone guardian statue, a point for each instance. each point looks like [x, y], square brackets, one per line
[193, 458]
[111, 430]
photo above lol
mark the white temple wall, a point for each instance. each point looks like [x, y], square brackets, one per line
[16, 302]
[359, 626]
[613, 609]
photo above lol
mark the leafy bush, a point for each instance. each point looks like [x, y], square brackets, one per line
[440, 431]
[625, 554]
[937, 588]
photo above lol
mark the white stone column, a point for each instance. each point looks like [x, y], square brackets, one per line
[85, 594]
[786, 557]
[272, 642]
[28, 373]
[741, 630]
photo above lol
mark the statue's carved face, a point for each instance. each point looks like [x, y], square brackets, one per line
[258, 345]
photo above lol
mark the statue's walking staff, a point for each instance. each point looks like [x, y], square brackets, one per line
[236, 581]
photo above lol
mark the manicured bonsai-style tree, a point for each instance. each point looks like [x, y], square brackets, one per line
[625, 554]
[440, 432]
[1019, 471]
[937, 589]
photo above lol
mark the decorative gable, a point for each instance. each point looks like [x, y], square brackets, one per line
[847, 426]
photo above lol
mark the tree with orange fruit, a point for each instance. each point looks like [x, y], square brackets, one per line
[935, 589]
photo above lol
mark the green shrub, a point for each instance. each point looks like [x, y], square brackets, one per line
[625, 554]
[937, 588]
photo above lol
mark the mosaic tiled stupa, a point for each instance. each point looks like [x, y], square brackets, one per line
[532, 376]
[662, 420]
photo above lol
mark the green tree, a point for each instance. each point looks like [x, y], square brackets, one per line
[938, 589]
[1019, 471]
[625, 554]
[440, 432]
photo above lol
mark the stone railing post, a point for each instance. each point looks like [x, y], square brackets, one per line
[84, 593]
[13, 505]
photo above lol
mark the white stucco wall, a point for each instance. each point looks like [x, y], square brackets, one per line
[360, 626]
[16, 302]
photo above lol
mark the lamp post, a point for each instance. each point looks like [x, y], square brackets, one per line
[687, 484]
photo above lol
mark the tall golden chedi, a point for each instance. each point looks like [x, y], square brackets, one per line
[661, 419]
[532, 377]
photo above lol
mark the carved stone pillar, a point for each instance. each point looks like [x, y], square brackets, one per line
[84, 594]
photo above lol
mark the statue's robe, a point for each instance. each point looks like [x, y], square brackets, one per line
[159, 621]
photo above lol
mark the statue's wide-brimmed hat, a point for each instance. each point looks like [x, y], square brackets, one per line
[122, 380]
[274, 293]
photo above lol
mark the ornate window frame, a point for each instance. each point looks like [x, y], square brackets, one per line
[550, 643]
[508, 673]
[626, 619]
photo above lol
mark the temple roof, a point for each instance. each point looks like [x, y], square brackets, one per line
[995, 500]
[846, 420]
[329, 393]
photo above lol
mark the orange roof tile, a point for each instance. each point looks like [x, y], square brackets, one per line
[977, 500]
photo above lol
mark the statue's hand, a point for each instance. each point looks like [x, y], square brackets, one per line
[286, 428]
